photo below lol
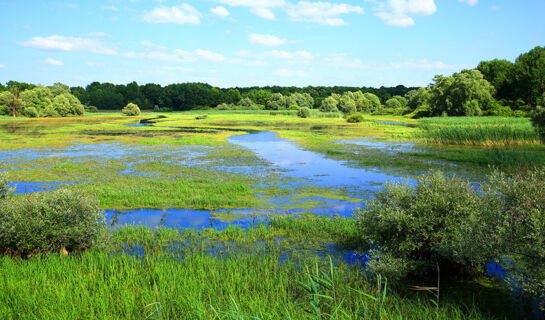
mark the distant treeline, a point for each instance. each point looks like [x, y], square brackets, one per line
[497, 87]
[186, 96]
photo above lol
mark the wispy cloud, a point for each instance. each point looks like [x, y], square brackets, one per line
[53, 62]
[266, 40]
[470, 2]
[325, 13]
[61, 43]
[109, 8]
[181, 14]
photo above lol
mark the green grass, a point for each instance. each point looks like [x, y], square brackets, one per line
[230, 274]
[479, 131]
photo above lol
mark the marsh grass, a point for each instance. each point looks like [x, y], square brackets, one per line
[479, 131]
[264, 272]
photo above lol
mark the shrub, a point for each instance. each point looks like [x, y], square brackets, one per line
[538, 120]
[294, 107]
[49, 222]
[517, 219]
[204, 116]
[91, 109]
[421, 226]
[30, 112]
[329, 104]
[4, 189]
[131, 110]
[304, 113]
[355, 118]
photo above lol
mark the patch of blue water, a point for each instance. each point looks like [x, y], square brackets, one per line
[308, 165]
[32, 187]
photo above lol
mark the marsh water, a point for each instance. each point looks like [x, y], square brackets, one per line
[294, 168]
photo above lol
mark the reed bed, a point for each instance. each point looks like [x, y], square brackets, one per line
[478, 131]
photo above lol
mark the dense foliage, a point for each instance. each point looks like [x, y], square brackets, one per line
[48, 222]
[445, 221]
[304, 112]
[38, 101]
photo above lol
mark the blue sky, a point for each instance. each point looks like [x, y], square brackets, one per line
[260, 42]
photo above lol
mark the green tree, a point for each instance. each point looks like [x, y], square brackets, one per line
[277, 101]
[329, 104]
[530, 76]
[347, 105]
[464, 94]
[500, 73]
[38, 98]
[417, 98]
[259, 96]
[373, 102]
[11, 103]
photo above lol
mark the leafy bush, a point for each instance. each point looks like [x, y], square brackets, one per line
[445, 221]
[131, 110]
[91, 109]
[516, 217]
[415, 228]
[30, 112]
[204, 116]
[304, 113]
[49, 222]
[294, 107]
[4, 189]
[355, 118]
[538, 120]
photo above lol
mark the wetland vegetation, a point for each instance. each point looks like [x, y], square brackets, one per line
[275, 203]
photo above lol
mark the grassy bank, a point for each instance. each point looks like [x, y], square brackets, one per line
[231, 274]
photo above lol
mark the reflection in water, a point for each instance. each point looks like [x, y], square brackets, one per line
[308, 165]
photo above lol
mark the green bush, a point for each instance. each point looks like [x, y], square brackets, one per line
[355, 118]
[4, 189]
[304, 113]
[538, 120]
[49, 222]
[204, 116]
[417, 227]
[294, 107]
[131, 110]
[30, 112]
[445, 221]
[91, 109]
[516, 217]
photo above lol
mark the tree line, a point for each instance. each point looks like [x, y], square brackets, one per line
[496, 87]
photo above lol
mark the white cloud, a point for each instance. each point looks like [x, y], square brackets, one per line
[399, 13]
[67, 5]
[151, 45]
[96, 34]
[299, 55]
[60, 43]
[264, 13]
[109, 8]
[261, 8]
[470, 2]
[179, 55]
[324, 13]
[220, 12]
[181, 14]
[425, 64]
[276, 54]
[53, 62]
[266, 40]
[282, 72]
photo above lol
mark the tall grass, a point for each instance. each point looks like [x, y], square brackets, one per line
[195, 285]
[479, 131]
